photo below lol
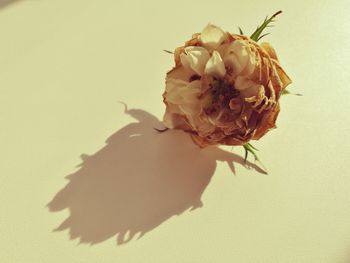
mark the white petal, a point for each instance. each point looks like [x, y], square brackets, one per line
[192, 91]
[236, 57]
[240, 58]
[173, 108]
[248, 88]
[250, 65]
[190, 109]
[195, 58]
[233, 62]
[168, 120]
[243, 83]
[174, 89]
[173, 120]
[190, 103]
[173, 84]
[251, 91]
[202, 125]
[222, 49]
[212, 36]
[215, 66]
[180, 73]
[184, 94]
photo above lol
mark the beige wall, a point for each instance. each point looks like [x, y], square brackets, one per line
[64, 65]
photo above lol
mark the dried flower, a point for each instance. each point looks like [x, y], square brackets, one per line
[224, 88]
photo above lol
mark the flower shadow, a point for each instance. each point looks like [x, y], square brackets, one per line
[5, 3]
[137, 181]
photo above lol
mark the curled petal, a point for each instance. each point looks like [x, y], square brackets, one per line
[175, 90]
[258, 98]
[235, 105]
[240, 58]
[215, 66]
[195, 59]
[184, 95]
[269, 49]
[267, 123]
[251, 91]
[285, 79]
[212, 36]
[179, 73]
[175, 121]
[202, 125]
[243, 83]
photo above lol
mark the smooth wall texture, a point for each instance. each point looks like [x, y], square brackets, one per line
[85, 178]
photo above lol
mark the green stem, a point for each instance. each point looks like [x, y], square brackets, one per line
[250, 149]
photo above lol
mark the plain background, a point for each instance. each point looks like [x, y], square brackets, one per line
[64, 68]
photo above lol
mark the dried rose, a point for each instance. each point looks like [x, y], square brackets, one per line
[224, 88]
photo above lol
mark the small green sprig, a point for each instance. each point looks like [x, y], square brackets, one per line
[257, 35]
[249, 148]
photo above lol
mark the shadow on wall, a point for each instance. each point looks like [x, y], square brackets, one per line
[4, 3]
[137, 181]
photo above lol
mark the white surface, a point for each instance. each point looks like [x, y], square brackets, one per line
[65, 65]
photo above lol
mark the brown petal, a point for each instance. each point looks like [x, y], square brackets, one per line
[194, 41]
[269, 49]
[236, 105]
[175, 121]
[177, 54]
[282, 74]
[267, 123]
[234, 141]
[201, 142]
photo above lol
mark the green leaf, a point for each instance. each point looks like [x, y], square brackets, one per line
[263, 36]
[248, 148]
[257, 33]
[240, 31]
[252, 146]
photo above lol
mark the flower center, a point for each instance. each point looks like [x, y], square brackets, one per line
[222, 92]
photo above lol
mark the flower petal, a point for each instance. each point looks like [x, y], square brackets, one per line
[212, 36]
[285, 79]
[243, 83]
[240, 58]
[180, 73]
[184, 95]
[267, 123]
[215, 66]
[248, 88]
[174, 90]
[195, 59]
[269, 49]
[202, 125]
[174, 121]
[190, 103]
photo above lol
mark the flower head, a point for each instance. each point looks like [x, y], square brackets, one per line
[224, 88]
